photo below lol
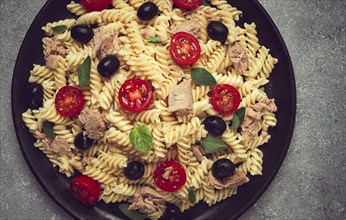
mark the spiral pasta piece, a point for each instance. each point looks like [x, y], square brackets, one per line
[40, 73]
[178, 132]
[49, 113]
[90, 18]
[119, 121]
[114, 160]
[30, 121]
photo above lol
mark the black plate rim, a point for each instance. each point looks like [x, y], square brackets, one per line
[290, 71]
[293, 109]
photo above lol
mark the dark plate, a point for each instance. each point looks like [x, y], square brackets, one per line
[281, 87]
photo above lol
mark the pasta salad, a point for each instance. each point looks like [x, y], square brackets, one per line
[154, 104]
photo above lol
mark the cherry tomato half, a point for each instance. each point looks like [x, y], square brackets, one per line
[69, 101]
[170, 176]
[95, 5]
[135, 95]
[187, 4]
[225, 99]
[85, 190]
[184, 48]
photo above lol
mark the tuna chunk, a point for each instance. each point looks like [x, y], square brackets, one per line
[147, 201]
[180, 98]
[59, 145]
[198, 151]
[253, 115]
[93, 123]
[52, 61]
[57, 47]
[269, 104]
[190, 26]
[239, 59]
[105, 42]
[45, 140]
[146, 33]
[237, 179]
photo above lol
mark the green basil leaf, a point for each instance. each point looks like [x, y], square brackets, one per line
[84, 73]
[212, 144]
[235, 122]
[238, 118]
[155, 40]
[59, 29]
[192, 197]
[47, 128]
[140, 138]
[241, 114]
[202, 76]
[133, 215]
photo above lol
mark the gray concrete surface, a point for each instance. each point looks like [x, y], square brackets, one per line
[311, 182]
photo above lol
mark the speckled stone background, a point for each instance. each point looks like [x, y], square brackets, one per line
[311, 182]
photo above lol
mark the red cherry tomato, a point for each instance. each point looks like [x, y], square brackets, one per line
[225, 99]
[85, 190]
[184, 48]
[187, 4]
[69, 101]
[135, 95]
[95, 5]
[170, 176]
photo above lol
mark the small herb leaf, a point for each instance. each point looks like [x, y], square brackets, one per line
[192, 197]
[140, 138]
[59, 29]
[238, 118]
[47, 128]
[155, 40]
[212, 144]
[235, 122]
[133, 215]
[202, 76]
[84, 73]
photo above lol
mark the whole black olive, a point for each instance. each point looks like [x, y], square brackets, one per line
[215, 125]
[134, 170]
[108, 66]
[147, 11]
[217, 31]
[82, 142]
[222, 168]
[172, 212]
[82, 33]
[33, 96]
